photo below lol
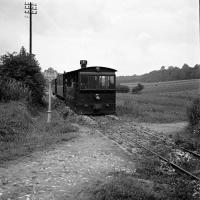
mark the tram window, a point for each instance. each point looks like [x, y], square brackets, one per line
[103, 82]
[60, 80]
[111, 82]
[106, 82]
[84, 82]
[97, 82]
[92, 82]
[89, 82]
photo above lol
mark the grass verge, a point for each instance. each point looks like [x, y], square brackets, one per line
[121, 186]
[153, 180]
[21, 133]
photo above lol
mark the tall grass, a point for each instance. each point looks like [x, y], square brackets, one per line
[10, 89]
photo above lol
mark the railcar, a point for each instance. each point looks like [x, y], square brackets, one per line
[88, 90]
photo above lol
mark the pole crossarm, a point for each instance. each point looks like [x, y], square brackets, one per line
[30, 8]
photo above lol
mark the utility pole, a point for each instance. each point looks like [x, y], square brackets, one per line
[199, 23]
[199, 30]
[30, 9]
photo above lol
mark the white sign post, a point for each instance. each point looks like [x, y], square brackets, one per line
[50, 75]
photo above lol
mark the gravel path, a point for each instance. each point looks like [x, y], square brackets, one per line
[63, 171]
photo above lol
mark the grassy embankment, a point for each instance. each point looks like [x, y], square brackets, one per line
[21, 133]
[163, 102]
[159, 102]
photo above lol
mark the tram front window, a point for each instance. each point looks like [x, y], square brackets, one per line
[97, 82]
[106, 82]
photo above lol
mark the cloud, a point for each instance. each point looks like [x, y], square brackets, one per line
[134, 36]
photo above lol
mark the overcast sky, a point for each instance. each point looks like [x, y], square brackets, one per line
[132, 36]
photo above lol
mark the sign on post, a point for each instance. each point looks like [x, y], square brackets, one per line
[50, 74]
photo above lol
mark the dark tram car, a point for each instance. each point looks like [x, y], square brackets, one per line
[89, 90]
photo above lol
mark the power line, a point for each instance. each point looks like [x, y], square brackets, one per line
[30, 9]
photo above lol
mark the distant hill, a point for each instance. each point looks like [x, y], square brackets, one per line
[169, 74]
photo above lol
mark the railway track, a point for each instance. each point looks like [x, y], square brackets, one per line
[166, 140]
[130, 136]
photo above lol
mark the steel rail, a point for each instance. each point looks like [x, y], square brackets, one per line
[165, 139]
[166, 160]
[175, 166]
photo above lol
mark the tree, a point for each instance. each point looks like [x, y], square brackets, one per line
[162, 68]
[186, 71]
[24, 68]
[137, 89]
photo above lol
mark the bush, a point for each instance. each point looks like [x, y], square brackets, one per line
[24, 68]
[122, 89]
[194, 112]
[10, 89]
[137, 88]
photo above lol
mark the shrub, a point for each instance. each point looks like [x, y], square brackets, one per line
[194, 112]
[122, 89]
[137, 88]
[24, 68]
[10, 89]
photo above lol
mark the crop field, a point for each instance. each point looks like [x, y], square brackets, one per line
[159, 102]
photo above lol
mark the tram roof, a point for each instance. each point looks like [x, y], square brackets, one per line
[93, 69]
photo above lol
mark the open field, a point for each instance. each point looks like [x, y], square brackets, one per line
[159, 102]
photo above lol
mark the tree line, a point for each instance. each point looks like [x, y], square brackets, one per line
[164, 74]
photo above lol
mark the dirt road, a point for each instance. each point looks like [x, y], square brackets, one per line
[63, 172]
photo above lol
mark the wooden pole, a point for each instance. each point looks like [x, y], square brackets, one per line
[49, 108]
[199, 23]
[30, 9]
[30, 32]
[199, 31]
